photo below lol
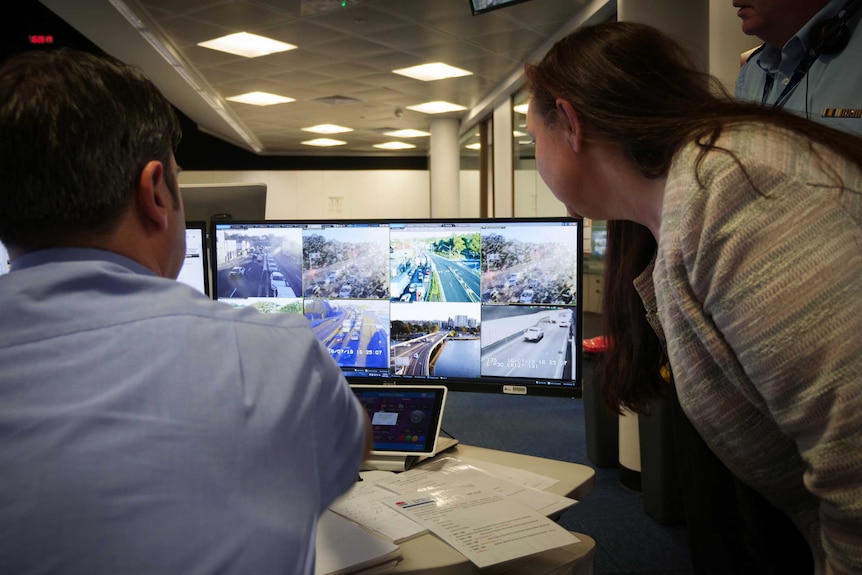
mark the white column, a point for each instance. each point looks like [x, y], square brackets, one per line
[504, 204]
[444, 164]
[709, 29]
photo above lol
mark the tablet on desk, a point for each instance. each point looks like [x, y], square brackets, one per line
[405, 420]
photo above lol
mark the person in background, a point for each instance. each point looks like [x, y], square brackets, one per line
[739, 245]
[809, 62]
[143, 427]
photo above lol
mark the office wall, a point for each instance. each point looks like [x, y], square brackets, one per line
[533, 198]
[469, 192]
[333, 194]
[372, 194]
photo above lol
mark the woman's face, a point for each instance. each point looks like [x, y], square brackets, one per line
[556, 161]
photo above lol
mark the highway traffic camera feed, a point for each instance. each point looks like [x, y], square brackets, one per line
[529, 265]
[345, 263]
[356, 333]
[434, 265]
[258, 263]
[527, 341]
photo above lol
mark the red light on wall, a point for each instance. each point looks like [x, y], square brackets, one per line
[41, 39]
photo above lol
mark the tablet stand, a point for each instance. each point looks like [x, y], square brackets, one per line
[404, 462]
[389, 462]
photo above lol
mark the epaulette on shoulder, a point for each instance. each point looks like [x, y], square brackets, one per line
[755, 52]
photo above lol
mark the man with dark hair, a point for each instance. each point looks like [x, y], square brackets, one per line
[143, 427]
[809, 63]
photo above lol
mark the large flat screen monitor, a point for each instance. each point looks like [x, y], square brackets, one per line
[482, 6]
[195, 271]
[475, 305]
[4, 260]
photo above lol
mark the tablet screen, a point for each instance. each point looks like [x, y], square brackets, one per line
[405, 420]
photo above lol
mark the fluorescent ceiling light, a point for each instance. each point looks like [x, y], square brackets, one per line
[248, 45]
[521, 108]
[327, 129]
[436, 107]
[430, 72]
[409, 133]
[260, 99]
[517, 134]
[394, 146]
[473, 146]
[323, 142]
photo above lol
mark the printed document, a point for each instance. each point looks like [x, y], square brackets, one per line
[448, 472]
[363, 503]
[486, 527]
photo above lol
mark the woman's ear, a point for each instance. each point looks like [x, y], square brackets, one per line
[573, 124]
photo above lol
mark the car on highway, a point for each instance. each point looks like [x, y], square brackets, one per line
[276, 282]
[272, 266]
[533, 334]
[237, 271]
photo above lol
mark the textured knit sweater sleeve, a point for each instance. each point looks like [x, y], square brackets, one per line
[759, 292]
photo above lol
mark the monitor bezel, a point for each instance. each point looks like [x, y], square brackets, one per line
[488, 384]
[201, 226]
[478, 11]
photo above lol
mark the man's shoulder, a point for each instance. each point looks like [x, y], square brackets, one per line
[751, 78]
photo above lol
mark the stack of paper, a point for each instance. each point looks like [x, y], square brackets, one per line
[489, 513]
[345, 547]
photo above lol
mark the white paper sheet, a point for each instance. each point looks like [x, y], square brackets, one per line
[485, 527]
[363, 503]
[449, 472]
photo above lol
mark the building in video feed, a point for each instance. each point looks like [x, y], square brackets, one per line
[356, 332]
[258, 262]
[345, 262]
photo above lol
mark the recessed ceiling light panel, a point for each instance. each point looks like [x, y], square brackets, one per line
[327, 129]
[436, 107]
[431, 72]
[260, 99]
[248, 45]
[394, 146]
[323, 142]
[409, 133]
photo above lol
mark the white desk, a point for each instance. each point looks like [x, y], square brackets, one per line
[428, 555]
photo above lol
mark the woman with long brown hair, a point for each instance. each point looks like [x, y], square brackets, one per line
[736, 238]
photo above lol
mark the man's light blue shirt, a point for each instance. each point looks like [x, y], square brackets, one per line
[832, 88]
[147, 429]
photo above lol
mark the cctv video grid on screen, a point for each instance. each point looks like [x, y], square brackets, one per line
[476, 305]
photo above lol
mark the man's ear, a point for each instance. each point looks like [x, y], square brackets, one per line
[573, 124]
[153, 195]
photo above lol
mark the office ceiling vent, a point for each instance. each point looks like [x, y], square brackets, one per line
[337, 100]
